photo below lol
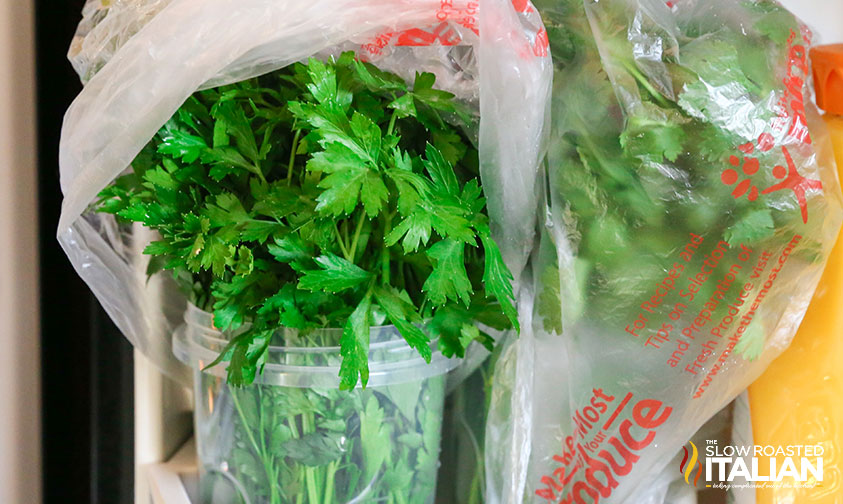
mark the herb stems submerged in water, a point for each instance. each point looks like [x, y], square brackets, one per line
[323, 445]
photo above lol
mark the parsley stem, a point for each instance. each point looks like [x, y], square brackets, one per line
[591, 147]
[307, 427]
[301, 470]
[312, 490]
[392, 120]
[341, 243]
[345, 236]
[385, 267]
[474, 489]
[385, 256]
[261, 452]
[257, 171]
[329, 482]
[267, 460]
[243, 419]
[401, 280]
[357, 235]
[293, 157]
[644, 81]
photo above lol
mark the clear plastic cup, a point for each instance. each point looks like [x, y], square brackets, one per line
[294, 438]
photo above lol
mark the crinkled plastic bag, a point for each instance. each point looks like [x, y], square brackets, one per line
[692, 202]
[143, 58]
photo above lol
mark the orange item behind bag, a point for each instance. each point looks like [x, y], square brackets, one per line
[799, 399]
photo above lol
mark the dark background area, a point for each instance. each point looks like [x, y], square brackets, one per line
[87, 384]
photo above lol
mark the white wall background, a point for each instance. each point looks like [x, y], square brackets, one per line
[825, 17]
[20, 429]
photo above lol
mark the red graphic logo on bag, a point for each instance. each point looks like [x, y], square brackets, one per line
[444, 34]
[795, 182]
[688, 470]
[453, 22]
[542, 44]
[522, 6]
[749, 166]
[791, 107]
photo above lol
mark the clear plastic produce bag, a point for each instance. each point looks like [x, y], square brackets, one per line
[692, 203]
[141, 59]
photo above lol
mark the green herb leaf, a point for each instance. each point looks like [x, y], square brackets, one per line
[374, 436]
[404, 316]
[315, 449]
[448, 281]
[498, 279]
[751, 228]
[182, 145]
[355, 346]
[441, 172]
[290, 248]
[336, 275]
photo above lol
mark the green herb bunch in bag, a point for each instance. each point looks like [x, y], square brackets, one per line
[675, 155]
[309, 235]
[691, 207]
[325, 195]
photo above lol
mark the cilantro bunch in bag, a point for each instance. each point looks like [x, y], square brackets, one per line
[308, 227]
[691, 205]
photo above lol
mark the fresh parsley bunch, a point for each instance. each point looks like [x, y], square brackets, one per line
[326, 194]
